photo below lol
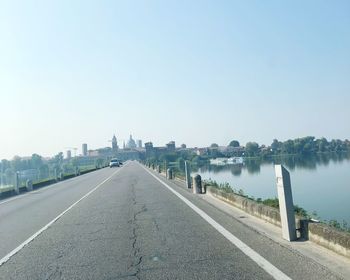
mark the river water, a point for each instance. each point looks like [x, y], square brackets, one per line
[320, 184]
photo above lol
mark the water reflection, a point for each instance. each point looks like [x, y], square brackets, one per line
[311, 162]
[253, 166]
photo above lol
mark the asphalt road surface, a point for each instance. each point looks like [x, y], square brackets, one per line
[124, 223]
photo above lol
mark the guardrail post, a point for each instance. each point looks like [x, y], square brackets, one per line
[55, 175]
[285, 198]
[197, 184]
[188, 174]
[17, 182]
[169, 174]
[158, 168]
[77, 171]
[29, 185]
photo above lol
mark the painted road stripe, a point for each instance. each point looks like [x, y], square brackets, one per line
[30, 239]
[262, 262]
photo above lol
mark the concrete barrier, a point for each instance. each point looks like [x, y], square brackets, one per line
[330, 238]
[267, 213]
[321, 234]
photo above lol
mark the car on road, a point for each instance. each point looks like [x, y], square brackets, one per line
[114, 163]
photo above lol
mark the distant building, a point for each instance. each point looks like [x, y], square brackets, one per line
[149, 149]
[139, 143]
[114, 144]
[131, 143]
[171, 146]
[84, 150]
[69, 154]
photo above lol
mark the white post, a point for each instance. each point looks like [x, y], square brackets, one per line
[17, 182]
[188, 175]
[285, 198]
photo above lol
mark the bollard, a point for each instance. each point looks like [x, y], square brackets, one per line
[188, 174]
[153, 166]
[169, 174]
[304, 229]
[17, 182]
[77, 171]
[165, 167]
[158, 168]
[61, 176]
[29, 185]
[204, 188]
[55, 175]
[197, 184]
[285, 198]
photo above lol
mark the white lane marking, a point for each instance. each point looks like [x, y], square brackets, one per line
[262, 262]
[43, 189]
[30, 239]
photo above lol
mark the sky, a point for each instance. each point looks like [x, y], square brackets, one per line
[196, 72]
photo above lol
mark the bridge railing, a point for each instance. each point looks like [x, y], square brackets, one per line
[48, 172]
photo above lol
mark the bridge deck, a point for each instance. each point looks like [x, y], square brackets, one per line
[131, 226]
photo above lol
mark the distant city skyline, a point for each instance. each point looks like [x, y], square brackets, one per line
[194, 73]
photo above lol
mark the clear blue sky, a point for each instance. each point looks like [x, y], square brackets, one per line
[196, 72]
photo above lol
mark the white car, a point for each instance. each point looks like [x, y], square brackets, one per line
[114, 163]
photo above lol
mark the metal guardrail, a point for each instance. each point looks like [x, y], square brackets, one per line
[10, 179]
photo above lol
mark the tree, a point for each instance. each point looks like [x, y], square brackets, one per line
[37, 161]
[288, 147]
[252, 149]
[16, 163]
[276, 146]
[214, 145]
[57, 161]
[322, 144]
[234, 143]
[4, 165]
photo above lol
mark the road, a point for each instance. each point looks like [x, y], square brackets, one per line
[128, 223]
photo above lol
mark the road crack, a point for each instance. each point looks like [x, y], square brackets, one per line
[136, 256]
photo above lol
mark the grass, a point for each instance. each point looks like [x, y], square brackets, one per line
[6, 188]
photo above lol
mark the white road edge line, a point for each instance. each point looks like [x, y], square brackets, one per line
[262, 262]
[30, 239]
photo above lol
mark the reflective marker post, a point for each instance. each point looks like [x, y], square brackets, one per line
[285, 198]
[188, 174]
[17, 182]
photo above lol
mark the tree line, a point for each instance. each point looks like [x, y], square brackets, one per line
[300, 146]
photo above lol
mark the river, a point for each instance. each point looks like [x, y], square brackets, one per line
[320, 184]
